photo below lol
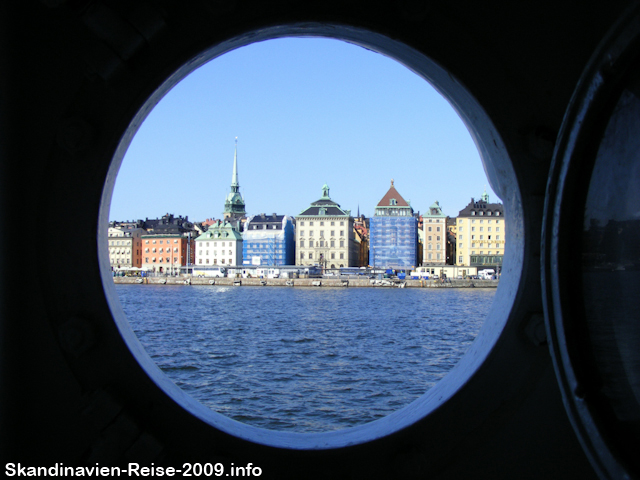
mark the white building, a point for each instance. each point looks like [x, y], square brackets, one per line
[125, 247]
[325, 236]
[221, 244]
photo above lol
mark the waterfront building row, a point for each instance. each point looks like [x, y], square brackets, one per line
[322, 234]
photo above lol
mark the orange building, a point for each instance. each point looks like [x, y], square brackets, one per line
[167, 253]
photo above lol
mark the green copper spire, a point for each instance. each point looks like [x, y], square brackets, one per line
[234, 204]
[235, 185]
[485, 196]
[325, 192]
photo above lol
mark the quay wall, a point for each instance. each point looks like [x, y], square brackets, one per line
[306, 282]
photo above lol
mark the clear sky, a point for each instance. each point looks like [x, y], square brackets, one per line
[306, 112]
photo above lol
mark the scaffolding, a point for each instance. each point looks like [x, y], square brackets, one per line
[393, 241]
[263, 247]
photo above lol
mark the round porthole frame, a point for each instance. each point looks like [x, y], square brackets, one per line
[501, 177]
[586, 119]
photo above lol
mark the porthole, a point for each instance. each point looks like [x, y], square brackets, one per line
[592, 259]
[501, 177]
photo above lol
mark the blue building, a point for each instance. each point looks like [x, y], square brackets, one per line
[393, 233]
[268, 240]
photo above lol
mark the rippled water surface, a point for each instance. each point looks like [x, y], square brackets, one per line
[304, 359]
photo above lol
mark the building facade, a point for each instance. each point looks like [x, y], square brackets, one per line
[393, 233]
[268, 240]
[480, 230]
[220, 245]
[125, 247]
[325, 235]
[166, 253]
[435, 236]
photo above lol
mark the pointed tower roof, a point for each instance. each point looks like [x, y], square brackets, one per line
[234, 203]
[392, 198]
[234, 176]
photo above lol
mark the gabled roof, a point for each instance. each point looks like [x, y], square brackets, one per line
[392, 194]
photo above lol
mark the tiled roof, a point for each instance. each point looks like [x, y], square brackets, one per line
[392, 193]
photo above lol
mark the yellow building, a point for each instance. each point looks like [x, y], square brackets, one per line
[480, 232]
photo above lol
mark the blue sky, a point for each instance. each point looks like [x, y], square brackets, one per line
[306, 112]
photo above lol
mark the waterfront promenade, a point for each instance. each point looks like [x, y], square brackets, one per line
[308, 282]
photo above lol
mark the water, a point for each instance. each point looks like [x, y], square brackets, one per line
[304, 359]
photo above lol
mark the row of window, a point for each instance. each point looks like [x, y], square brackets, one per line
[497, 214]
[162, 260]
[333, 233]
[321, 224]
[322, 243]
[153, 250]
[430, 246]
[429, 229]
[473, 229]
[473, 237]
[320, 255]
[215, 261]
[215, 252]
[481, 221]
[438, 256]
[480, 245]
[215, 244]
[160, 241]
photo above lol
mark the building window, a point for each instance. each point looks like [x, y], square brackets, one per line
[438, 246]
[221, 261]
[430, 247]
[460, 259]
[429, 228]
[200, 261]
[342, 224]
[333, 255]
[301, 255]
[322, 224]
[310, 255]
[333, 233]
[438, 256]
[342, 233]
[333, 243]
[438, 238]
[146, 259]
[302, 224]
[460, 245]
[473, 229]
[430, 256]
[311, 224]
[341, 243]
[497, 237]
[301, 243]
[322, 233]
[460, 228]
[311, 233]
[341, 256]
[333, 223]
[437, 229]
[497, 229]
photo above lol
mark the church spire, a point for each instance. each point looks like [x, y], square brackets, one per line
[235, 185]
[234, 207]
